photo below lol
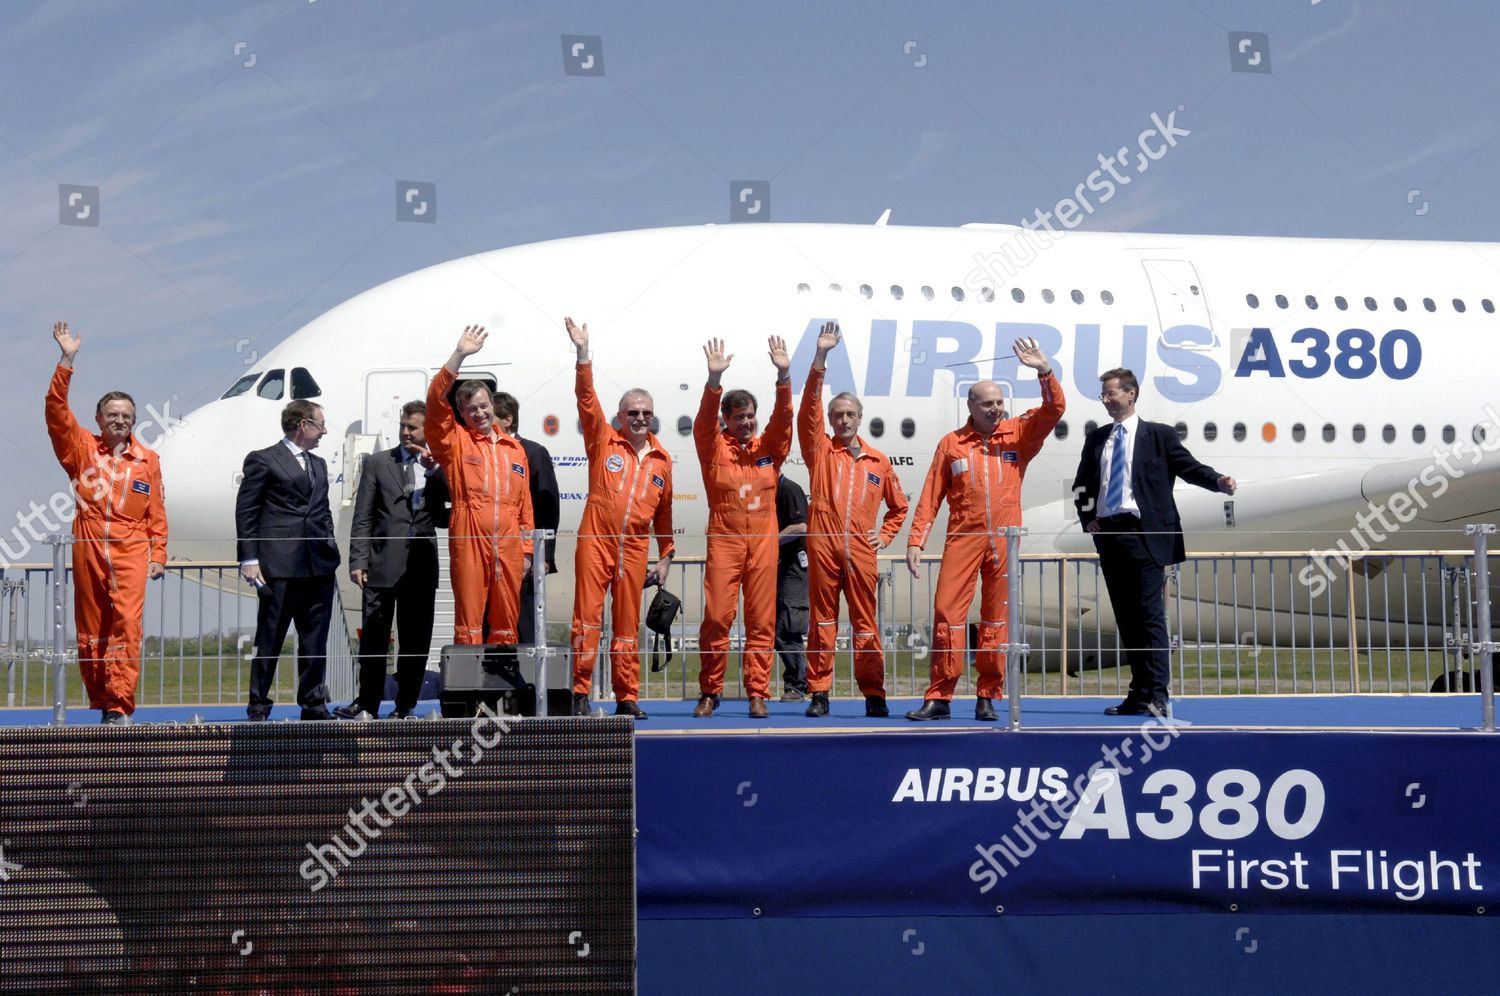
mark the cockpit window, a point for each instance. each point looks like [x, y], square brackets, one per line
[240, 386]
[271, 387]
[303, 385]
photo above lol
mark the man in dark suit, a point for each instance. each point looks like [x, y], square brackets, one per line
[546, 504]
[393, 557]
[1123, 491]
[287, 551]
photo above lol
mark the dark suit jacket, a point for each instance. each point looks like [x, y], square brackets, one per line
[383, 516]
[282, 518]
[1157, 461]
[546, 501]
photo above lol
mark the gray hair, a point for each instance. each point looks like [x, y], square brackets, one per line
[634, 392]
[859, 406]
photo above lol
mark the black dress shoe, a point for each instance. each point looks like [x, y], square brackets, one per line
[931, 709]
[628, 707]
[1138, 707]
[257, 717]
[581, 705]
[401, 714]
[351, 711]
[984, 710]
[875, 706]
[317, 712]
[818, 706]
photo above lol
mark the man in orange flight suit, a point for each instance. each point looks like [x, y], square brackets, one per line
[740, 472]
[489, 531]
[630, 497]
[978, 469]
[119, 534]
[849, 478]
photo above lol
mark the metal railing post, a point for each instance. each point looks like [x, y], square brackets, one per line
[59, 543]
[539, 539]
[1484, 647]
[1015, 648]
[13, 648]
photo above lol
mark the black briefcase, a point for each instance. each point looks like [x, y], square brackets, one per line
[659, 619]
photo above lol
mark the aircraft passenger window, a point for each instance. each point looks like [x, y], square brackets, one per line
[1400, 304]
[804, 289]
[1048, 296]
[1106, 297]
[1312, 303]
[1341, 304]
[1252, 300]
[1418, 434]
[1060, 430]
[866, 291]
[684, 426]
[1458, 305]
[1281, 300]
[1239, 432]
[270, 388]
[1370, 304]
[1182, 432]
[1488, 305]
[835, 288]
[877, 427]
[1017, 295]
[958, 293]
[1210, 432]
[927, 292]
[240, 386]
[897, 292]
[1077, 296]
[1268, 432]
[578, 424]
[1388, 433]
[303, 385]
[1299, 432]
[1089, 426]
[1429, 304]
[908, 428]
[1448, 434]
[1329, 432]
[987, 294]
[1479, 434]
[1358, 432]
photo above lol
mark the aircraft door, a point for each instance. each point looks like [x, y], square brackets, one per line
[1179, 294]
[385, 392]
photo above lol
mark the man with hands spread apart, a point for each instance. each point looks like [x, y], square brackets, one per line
[849, 479]
[740, 473]
[630, 499]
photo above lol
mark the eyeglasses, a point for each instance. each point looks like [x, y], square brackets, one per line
[316, 425]
[638, 414]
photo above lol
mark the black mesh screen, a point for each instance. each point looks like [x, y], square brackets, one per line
[435, 856]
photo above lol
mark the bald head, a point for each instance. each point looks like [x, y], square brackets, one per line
[986, 405]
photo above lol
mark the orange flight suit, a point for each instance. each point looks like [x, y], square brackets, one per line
[630, 497]
[490, 528]
[981, 479]
[120, 528]
[846, 494]
[742, 539]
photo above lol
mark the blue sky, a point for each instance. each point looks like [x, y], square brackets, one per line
[239, 201]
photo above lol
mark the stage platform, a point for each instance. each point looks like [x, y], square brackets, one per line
[1248, 844]
[1225, 712]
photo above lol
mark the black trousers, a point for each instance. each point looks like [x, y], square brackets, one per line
[1135, 583]
[306, 603]
[791, 631]
[409, 602]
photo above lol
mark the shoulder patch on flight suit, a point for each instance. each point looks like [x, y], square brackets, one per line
[1009, 456]
[615, 463]
[518, 468]
[959, 466]
[872, 477]
[658, 480]
[765, 461]
[140, 486]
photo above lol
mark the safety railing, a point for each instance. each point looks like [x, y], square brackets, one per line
[1240, 623]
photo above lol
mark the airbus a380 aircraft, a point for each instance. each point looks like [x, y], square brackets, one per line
[1324, 375]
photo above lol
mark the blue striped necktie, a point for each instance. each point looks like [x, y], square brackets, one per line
[1114, 495]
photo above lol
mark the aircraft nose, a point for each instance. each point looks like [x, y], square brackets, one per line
[200, 466]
